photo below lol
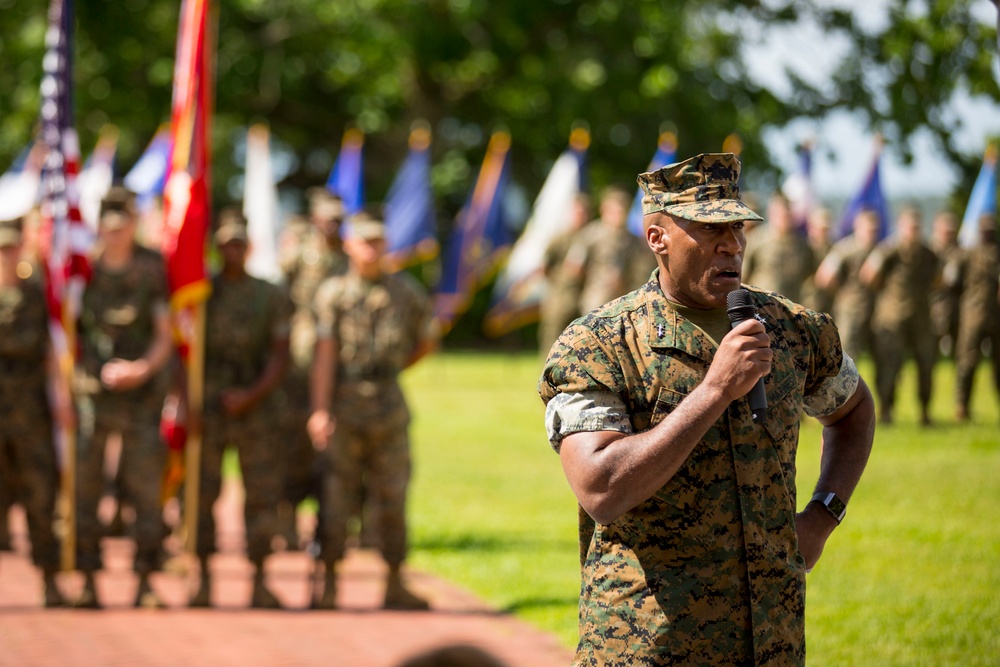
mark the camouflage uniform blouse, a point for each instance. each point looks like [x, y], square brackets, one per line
[707, 571]
[377, 326]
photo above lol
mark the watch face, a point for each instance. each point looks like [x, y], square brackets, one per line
[836, 506]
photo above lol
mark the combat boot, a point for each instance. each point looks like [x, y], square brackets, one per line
[262, 597]
[145, 596]
[53, 597]
[328, 600]
[398, 597]
[88, 596]
[203, 598]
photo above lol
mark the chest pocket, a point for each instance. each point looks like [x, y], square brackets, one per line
[784, 413]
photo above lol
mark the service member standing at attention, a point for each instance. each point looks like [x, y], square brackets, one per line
[126, 343]
[979, 318]
[246, 354]
[310, 253]
[902, 272]
[27, 450]
[370, 326]
[694, 553]
[779, 258]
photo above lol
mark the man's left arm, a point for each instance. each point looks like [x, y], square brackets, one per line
[847, 442]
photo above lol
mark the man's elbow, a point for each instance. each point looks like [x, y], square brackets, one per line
[601, 507]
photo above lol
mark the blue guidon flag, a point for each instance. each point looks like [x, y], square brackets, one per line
[478, 239]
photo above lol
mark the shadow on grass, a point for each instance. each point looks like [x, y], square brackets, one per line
[534, 604]
[488, 543]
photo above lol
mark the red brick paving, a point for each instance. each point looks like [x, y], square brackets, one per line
[358, 634]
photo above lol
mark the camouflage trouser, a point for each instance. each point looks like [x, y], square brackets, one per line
[299, 458]
[973, 330]
[376, 454]
[892, 343]
[854, 322]
[136, 416]
[255, 440]
[30, 476]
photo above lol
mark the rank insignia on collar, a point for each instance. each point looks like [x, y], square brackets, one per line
[760, 318]
[659, 330]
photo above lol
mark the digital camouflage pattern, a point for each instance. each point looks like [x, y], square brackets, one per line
[704, 188]
[614, 262]
[245, 318]
[117, 318]
[306, 259]
[707, 571]
[901, 322]
[781, 263]
[27, 452]
[561, 303]
[979, 319]
[376, 327]
[854, 304]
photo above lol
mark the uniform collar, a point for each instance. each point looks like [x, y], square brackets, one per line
[668, 329]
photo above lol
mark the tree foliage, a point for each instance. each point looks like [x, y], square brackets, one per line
[310, 68]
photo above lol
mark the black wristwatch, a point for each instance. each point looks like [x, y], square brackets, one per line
[833, 504]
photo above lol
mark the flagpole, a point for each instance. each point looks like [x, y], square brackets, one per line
[192, 449]
[68, 475]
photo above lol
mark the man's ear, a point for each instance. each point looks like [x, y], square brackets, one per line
[657, 238]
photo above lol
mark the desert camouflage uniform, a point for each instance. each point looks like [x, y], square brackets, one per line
[561, 304]
[615, 261]
[117, 321]
[376, 327]
[244, 318]
[979, 319]
[779, 262]
[27, 454]
[854, 303]
[707, 571]
[902, 319]
[306, 262]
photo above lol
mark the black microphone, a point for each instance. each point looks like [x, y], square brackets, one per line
[740, 308]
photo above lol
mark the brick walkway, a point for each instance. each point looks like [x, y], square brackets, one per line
[359, 634]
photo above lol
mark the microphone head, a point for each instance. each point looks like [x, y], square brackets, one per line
[739, 307]
[738, 298]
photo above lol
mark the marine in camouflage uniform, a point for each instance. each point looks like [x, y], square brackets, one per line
[778, 257]
[695, 554]
[310, 253]
[561, 303]
[370, 327]
[979, 318]
[125, 338]
[28, 469]
[246, 354]
[903, 272]
[818, 228]
[854, 303]
[946, 294]
[607, 259]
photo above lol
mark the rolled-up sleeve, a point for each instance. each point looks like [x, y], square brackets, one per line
[595, 410]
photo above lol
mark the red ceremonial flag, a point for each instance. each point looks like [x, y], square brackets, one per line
[186, 210]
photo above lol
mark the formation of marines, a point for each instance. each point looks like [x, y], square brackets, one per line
[291, 370]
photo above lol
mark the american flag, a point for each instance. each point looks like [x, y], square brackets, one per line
[69, 239]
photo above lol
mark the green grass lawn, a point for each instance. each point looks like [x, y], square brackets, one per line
[911, 578]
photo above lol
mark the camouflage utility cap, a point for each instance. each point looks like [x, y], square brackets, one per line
[366, 227]
[117, 208]
[232, 227]
[704, 188]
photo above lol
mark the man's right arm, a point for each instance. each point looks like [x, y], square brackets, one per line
[611, 473]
